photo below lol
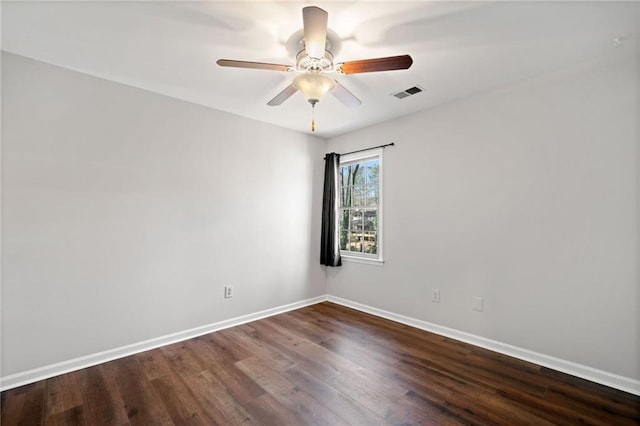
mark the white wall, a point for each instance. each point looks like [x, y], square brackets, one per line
[638, 181]
[126, 212]
[526, 196]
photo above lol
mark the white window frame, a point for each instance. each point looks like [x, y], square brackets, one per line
[373, 259]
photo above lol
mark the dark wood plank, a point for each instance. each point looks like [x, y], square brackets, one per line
[142, 404]
[319, 361]
[289, 395]
[221, 406]
[577, 386]
[437, 414]
[348, 409]
[25, 405]
[257, 348]
[180, 402]
[372, 397]
[405, 413]
[182, 359]
[235, 381]
[298, 322]
[63, 393]
[71, 417]
[594, 407]
[478, 405]
[322, 364]
[228, 348]
[12, 403]
[270, 411]
[34, 405]
[155, 363]
[101, 400]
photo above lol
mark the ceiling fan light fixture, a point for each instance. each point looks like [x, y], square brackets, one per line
[316, 45]
[313, 86]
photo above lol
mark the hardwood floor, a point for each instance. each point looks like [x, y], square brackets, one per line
[321, 365]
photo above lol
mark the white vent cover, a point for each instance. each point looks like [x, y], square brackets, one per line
[408, 92]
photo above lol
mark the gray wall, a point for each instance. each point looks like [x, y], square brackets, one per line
[526, 196]
[126, 212]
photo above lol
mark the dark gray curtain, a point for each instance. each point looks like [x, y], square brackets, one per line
[329, 239]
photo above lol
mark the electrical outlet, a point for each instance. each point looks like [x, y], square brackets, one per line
[228, 291]
[478, 304]
[435, 295]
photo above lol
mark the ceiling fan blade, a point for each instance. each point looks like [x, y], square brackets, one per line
[389, 63]
[315, 30]
[253, 65]
[345, 96]
[283, 96]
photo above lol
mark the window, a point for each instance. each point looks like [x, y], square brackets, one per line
[360, 177]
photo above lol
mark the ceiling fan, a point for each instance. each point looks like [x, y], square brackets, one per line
[315, 61]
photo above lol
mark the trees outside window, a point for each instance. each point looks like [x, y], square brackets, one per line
[360, 206]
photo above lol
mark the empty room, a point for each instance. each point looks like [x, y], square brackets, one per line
[332, 213]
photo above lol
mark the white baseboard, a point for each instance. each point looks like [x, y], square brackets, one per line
[608, 379]
[30, 376]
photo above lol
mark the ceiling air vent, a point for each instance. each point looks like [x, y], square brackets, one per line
[408, 92]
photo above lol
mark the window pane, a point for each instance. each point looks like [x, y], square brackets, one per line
[345, 197]
[344, 238]
[370, 221]
[358, 196]
[358, 171]
[345, 172]
[356, 220]
[344, 219]
[373, 196]
[360, 227]
[373, 171]
[355, 242]
[370, 242]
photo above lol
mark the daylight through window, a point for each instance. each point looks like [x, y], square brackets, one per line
[360, 205]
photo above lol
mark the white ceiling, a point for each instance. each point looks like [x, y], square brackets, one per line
[459, 48]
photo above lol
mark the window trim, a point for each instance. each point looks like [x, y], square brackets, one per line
[372, 259]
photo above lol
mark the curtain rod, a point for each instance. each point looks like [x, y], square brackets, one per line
[366, 149]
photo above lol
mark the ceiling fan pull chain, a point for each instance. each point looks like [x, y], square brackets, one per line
[313, 117]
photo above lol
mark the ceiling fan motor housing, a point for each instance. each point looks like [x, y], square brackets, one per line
[306, 63]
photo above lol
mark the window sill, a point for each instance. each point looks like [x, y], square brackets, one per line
[355, 259]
